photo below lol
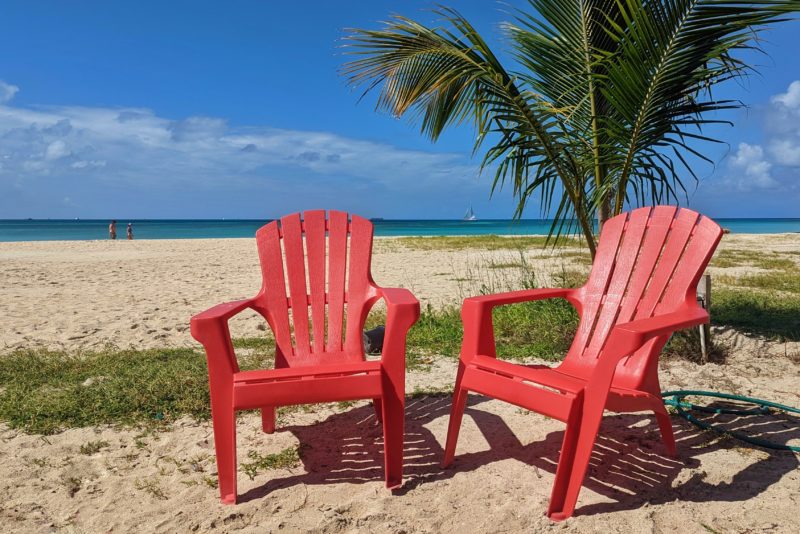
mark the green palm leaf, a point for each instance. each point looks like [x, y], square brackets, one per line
[603, 106]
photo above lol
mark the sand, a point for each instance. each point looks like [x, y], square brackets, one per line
[84, 295]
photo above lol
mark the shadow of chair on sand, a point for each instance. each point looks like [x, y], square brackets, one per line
[628, 465]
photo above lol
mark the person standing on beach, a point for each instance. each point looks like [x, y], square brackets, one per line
[112, 230]
[130, 231]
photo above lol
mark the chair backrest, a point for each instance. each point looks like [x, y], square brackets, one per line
[325, 265]
[648, 263]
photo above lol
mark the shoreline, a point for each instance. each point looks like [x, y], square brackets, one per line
[376, 237]
[160, 229]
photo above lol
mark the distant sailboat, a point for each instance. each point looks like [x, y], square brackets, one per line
[470, 215]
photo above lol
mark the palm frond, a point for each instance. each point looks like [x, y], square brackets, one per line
[607, 101]
[448, 75]
[669, 54]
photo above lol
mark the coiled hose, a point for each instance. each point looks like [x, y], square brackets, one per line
[763, 407]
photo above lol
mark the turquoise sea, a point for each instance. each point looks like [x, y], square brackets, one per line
[71, 230]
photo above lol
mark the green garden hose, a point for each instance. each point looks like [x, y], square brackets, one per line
[763, 407]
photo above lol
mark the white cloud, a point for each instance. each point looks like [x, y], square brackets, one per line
[88, 164]
[786, 151]
[56, 150]
[791, 98]
[782, 126]
[750, 169]
[135, 146]
[773, 162]
[197, 129]
[7, 91]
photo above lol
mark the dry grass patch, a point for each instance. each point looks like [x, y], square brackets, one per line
[483, 242]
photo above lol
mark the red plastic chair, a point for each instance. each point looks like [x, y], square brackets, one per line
[310, 366]
[641, 289]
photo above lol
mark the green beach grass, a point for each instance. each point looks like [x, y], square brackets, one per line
[483, 242]
[47, 391]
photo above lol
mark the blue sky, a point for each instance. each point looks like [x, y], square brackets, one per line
[209, 109]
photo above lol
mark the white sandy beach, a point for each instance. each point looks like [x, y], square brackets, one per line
[71, 294]
[86, 294]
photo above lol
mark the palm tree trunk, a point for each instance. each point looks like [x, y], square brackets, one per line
[603, 212]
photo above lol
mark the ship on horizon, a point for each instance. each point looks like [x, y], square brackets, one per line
[470, 215]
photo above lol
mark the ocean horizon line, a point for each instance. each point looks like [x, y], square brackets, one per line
[255, 219]
[16, 230]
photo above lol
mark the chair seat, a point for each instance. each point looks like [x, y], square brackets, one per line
[307, 384]
[306, 372]
[547, 378]
[538, 374]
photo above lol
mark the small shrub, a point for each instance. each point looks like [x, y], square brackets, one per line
[93, 447]
[686, 344]
[289, 457]
[151, 487]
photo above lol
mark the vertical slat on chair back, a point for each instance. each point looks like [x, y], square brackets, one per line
[273, 289]
[294, 255]
[315, 245]
[324, 294]
[359, 290]
[648, 263]
[337, 267]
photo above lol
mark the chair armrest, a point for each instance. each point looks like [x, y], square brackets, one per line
[476, 316]
[627, 338]
[398, 296]
[210, 328]
[220, 312]
[402, 311]
[513, 297]
[630, 336]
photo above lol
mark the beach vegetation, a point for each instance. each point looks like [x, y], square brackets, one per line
[726, 258]
[784, 281]
[542, 329]
[762, 313]
[504, 265]
[765, 303]
[430, 391]
[257, 462]
[602, 105]
[479, 242]
[152, 487]
[42, 391]
[45, 391]
[93, 447]
[72, 484]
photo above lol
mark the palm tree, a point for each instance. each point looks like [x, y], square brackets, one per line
[604, 105]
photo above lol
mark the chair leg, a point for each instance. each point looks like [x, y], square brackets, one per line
[590, 420]
[665, 425]
[393, 408]
[224, 420]
[268, 419]
[456, 414]
[376, 403]
[566, 459]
